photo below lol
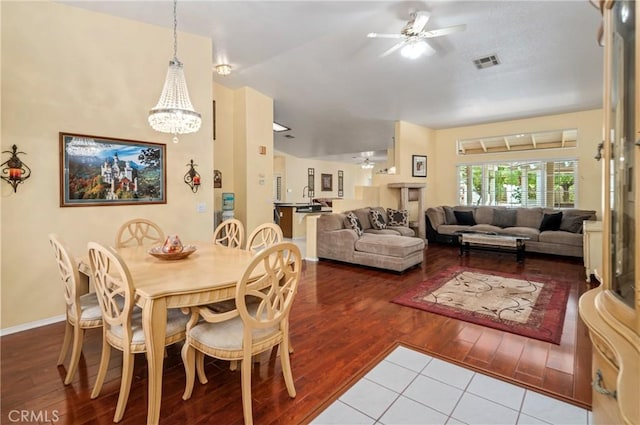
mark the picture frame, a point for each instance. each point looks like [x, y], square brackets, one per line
[418, 165]
[311, 191]
[326, 182]
[340, 183]
[100, 171]
[217, 179]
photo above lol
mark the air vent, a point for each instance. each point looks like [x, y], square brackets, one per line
[289, 136]
[486, 62]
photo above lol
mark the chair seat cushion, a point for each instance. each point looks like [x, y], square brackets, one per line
[227, 335]
[89, 307]
[176, 323]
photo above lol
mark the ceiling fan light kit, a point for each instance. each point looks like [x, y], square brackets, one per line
[414, 49]
[413, 36]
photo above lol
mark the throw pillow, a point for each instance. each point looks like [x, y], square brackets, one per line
[573, 223]
[551, 221]
[449, 216]
[377, 219]
[465, 218]
[352, 221]
[398, 217]
[504, 217]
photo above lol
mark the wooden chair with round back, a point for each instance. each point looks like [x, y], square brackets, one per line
[229, 233]
[263, 237]
[260, 322]
[122, 328]
[139, 231]
[82, 311]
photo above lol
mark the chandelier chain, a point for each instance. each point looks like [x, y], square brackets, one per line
[175, 29]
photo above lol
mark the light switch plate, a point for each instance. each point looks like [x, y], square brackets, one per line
[201, 207]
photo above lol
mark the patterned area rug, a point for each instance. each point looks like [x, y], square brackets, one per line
[532, 306]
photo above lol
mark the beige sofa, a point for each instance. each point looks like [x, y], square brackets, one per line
[393, 248]
[442, 225]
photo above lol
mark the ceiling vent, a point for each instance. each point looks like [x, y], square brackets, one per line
[486, 62]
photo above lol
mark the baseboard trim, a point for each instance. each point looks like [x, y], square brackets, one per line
[32, 325]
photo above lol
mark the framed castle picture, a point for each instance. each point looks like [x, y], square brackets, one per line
[108, 171]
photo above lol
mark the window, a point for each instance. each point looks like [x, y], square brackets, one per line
[519, 183]
[557, 139]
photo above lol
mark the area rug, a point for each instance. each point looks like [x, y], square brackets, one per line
[532, 306]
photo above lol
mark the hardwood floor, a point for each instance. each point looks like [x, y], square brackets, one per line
[341, 322]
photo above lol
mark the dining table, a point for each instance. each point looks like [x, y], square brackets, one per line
[209, 274]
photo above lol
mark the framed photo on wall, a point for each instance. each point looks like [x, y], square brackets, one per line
[326, 183]
[98, 170]
[419, 166]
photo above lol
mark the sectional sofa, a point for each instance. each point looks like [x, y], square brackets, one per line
[393, 247]
[550, 231]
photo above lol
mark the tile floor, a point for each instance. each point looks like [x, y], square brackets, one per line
[409, 387]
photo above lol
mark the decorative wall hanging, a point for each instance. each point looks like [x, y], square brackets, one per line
[311, 174]
[108, 171]
[217, 179]
[419, 166]
[192, 177]
[327, 182]
[14, 171]
[340, 183]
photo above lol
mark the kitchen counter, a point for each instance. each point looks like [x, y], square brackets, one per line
[292, 217]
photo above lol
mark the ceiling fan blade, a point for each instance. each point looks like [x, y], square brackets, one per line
[442, 31]
[393, 49]
[378, 35]
[419, 22]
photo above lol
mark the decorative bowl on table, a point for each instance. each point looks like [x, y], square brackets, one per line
[158, 252]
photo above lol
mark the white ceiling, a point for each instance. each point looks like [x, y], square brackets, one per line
[340, 98]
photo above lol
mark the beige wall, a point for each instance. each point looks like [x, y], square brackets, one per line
[589, 125]
[68, 69]
[223, 145]
[253, 172]
[295, 177]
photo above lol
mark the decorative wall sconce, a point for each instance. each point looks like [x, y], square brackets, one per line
[192, 178]
[16, 170]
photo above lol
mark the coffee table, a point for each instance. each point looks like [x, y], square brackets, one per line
[492, 242]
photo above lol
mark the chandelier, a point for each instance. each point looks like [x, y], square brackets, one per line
[174, 113]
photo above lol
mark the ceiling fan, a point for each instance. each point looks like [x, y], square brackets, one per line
[413, 36]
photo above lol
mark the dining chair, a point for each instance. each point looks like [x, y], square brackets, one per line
[264, 236]
[122, 328]
[82, 311]
[252, 328]
[139, 231]
[229, 233]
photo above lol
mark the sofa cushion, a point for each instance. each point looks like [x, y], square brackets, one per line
[394, 246]
[561, 237]
[503, 217]
[353, 222]
[449, 216]
[465, 218]
[573, 223]
[387, 231]
[451, 229]
[531, 233]
[551, 221]
[363, 216]
[378, 219]
[485, 228]
[528, 217]
[484, 215]
[398, 217]
[402, 230]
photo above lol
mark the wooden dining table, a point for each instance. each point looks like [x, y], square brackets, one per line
[208, 275]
